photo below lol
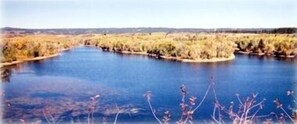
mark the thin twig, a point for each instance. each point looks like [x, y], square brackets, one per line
[45, 117]
[217, 102]
[153, 112]
[116, 117]
[255, 114]
[239, 99]
[209, 86]
[214, 114]
[256, 104]
[287, 114]
[89, 117]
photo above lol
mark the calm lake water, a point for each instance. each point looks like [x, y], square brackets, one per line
[61, 87]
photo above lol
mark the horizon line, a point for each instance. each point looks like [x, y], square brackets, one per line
[152, 27]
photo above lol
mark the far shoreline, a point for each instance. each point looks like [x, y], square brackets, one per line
[232, 57]
[169, 57]
[262, 54]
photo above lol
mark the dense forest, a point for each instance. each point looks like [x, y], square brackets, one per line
[22, 47]
[199, 46]
[282, 45]
[176, 46]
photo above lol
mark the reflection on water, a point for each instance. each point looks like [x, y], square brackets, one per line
[60, 97]
[5, 74]
[62, 88]
[6, 71]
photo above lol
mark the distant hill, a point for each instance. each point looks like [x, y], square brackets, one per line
[74, 31]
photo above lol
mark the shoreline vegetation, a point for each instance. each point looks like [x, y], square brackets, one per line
[176, 58]
[28, 59]
[183, 47]
[23, 48]
[197, 47]
[171, 58]
[33, 59]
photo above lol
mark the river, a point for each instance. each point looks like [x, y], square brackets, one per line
[60, 88]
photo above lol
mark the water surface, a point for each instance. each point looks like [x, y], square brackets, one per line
[62, 86]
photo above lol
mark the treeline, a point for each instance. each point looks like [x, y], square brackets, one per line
[21, 47]
[272, 45]
[198, 46]
[177, 46]
[260, 30]
[77, 31]
[284, 30]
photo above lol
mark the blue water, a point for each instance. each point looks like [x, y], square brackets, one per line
[62, 86]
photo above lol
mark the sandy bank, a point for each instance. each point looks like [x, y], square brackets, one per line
[136, 53]
[209, 60]
[28, 59]
[178, 58]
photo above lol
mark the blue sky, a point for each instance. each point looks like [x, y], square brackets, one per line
[149, 13]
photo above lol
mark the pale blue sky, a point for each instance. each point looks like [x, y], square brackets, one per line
[149, 13]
